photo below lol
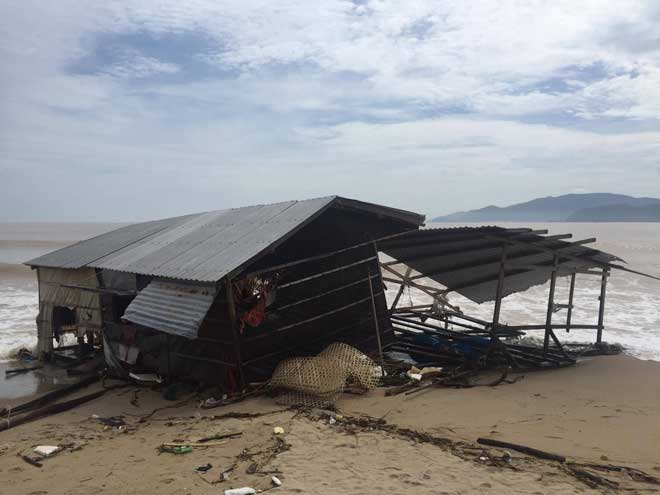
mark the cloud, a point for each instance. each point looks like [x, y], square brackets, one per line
[215, 104]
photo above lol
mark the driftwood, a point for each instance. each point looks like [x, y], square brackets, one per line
[522, 448]
[192, 444]
[220, 437]
[49, 397]
[18, 371]
[52, 409]
[592, 480]
[635, 474]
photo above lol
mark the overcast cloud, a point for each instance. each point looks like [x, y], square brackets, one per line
[136, 110]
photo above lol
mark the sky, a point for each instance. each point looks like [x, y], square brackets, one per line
[133, 110]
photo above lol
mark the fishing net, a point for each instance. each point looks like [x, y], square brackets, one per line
[318, 381]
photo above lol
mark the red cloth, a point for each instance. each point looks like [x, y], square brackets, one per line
[255, 316]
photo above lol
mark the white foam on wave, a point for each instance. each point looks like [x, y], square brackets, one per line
[18, 311]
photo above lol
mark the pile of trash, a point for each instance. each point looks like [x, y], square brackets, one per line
[319, 380]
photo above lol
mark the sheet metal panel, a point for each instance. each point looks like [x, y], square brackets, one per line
[467, 260]
[206, 247]
[84, 252]
[177, 309]
[210, 245]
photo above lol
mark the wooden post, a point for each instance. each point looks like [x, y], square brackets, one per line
[234, 330]
[376, 325]
[169, 364]
[569, 311]
[551, 305]
[601, 307]
[500, 288]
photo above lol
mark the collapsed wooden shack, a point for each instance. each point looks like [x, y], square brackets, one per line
[222, 297]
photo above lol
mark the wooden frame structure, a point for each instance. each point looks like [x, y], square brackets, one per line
[505, 253]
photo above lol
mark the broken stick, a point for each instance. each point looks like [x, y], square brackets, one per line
[522, 448]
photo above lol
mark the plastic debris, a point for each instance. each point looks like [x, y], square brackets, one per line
[178, 449]
[276, 481]
[146, 377]
[47, 450]
[246, 490]
[278, 430]
[506, 456]
[332, 420]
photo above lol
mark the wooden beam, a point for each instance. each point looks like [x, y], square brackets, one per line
[601, 306]
[231, 306]
[569, 312]
[375, 317]
[500, 287]
[551, 302]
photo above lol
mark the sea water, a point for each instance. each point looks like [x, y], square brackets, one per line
[632, 315]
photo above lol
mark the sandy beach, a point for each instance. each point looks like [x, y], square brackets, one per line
[605, 410]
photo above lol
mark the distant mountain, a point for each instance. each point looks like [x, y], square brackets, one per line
[617, 213]
[595, 207]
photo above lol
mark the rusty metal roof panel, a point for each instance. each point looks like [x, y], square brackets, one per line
[174, 308]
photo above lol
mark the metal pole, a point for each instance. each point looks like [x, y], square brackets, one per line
[500, 288]
[569, 311]
[375, 315]
[237, 344]
[601, 308]
[551, 304]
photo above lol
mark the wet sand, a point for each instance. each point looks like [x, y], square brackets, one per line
[605, 410]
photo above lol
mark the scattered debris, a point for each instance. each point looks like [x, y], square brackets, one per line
[30, 461]
[212, 402]
[276, 481]
[220, 437]
[47, 450]
[191, 444]
[145, 377]
[203, 469]
[522, 448]
[581, 471]
[24, 354]
[278, 430]
[112, 421]
[175, 449]
[246, 490]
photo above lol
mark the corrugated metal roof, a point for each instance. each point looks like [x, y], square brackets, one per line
[467, 260]
[85, 252]
[173, 308]
[207, 246]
